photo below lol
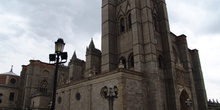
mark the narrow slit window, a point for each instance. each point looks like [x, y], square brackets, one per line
[129, 21]
[131, 61]
[122, 25]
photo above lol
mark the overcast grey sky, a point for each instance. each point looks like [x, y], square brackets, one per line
[29, 28]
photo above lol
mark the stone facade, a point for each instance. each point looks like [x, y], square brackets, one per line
[36, 85]
[153, 68]
[140, 28]
[9, 89]
[91, 96]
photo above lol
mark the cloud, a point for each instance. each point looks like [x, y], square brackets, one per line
[201, 17]
[199, 21]
[29, 29]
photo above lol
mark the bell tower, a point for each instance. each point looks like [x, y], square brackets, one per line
[136, 33]
[130, 31]
[109, 36]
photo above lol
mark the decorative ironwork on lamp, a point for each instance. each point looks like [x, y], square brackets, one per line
[110, 94]
[59, 54]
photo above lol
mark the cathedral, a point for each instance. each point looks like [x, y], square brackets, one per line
[152, 68]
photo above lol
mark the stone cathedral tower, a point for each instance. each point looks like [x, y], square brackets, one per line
[136, 33]
[153, 68]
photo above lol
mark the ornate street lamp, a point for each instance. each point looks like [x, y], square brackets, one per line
[188, 103]
[59, 45]
[49, 105]
[110, 94]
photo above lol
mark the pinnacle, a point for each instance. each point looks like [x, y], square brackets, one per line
[74, 55]
[91, 45]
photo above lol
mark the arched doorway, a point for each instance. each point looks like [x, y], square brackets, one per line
[183, 98]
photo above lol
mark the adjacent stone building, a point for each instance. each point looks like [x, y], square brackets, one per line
[153, 68]
[9, 89]
[36, 85]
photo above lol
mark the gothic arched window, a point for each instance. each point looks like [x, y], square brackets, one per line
[43, 86]
[156, 28]
[129, 21]
[131, 61]
[183, 98]
[160, 61]
[122, 25]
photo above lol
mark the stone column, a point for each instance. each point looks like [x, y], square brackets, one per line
[109, 38]
[199, 81]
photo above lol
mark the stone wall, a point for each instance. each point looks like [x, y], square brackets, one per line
[38, 78]
[7, 102]
[87, 95]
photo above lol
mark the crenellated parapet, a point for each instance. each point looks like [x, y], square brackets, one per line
[213, 104]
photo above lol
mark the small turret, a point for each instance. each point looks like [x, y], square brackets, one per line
[11, 68]
[91, 45]
[92, 50]
[76, 68]
[74, 56]
[93, 60]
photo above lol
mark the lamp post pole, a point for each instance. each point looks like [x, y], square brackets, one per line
[111, 95]
[59, 45]
[110, 100]
[55, 83]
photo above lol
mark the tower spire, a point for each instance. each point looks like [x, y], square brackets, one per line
[74, 55]
[91, 45]
[11, 68]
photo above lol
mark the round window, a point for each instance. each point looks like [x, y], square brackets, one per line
[13, 80]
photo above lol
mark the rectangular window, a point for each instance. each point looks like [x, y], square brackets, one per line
[11, 96]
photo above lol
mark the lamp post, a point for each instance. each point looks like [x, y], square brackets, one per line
[188, 103]
[49, 105]
[110, 95]
[59, 45]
